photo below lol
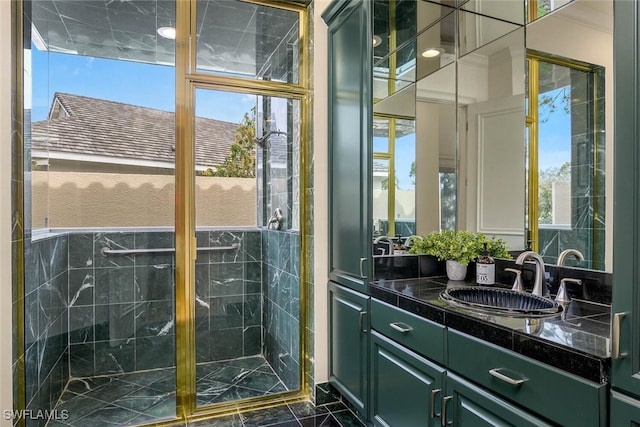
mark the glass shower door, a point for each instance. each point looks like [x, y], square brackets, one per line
[246, 274]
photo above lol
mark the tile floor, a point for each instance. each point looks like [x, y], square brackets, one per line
[301, 414]
[141, 397]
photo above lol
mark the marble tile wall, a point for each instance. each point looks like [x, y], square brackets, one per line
[17, 239]
[45, 321]
[89, 313]
[121, 307]
[281, 295]
[229, 296]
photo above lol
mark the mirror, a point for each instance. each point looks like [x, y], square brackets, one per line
[571, 52]
[474, 129]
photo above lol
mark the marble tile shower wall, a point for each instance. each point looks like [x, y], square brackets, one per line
[120, 306]
[281, 292]
[45, 322]
[114, 313]
[229, 296]
[587, 231]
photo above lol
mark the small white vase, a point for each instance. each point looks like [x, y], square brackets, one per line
[455, 270]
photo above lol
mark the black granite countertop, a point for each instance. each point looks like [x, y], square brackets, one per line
[576, 341]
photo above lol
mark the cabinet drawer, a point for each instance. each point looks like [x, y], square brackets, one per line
[561, 397]
[417, 333]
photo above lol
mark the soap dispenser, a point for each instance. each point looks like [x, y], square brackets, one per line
[485, 269]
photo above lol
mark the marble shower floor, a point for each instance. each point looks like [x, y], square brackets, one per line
[142, 397]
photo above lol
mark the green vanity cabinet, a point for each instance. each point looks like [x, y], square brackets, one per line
[625, 331]
[350, 142]
[625, 411]
[467, 405]
[564, 398]
[405, 387]
[349, 344]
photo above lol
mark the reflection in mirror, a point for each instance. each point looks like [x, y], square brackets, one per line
[394, 146]
[566, 192]
[571, 60]
[506, 10]
[436, 46]
[539, 8]
[471, 177]
[492, 150]
[394, 28]
[436, 151]
[475, 31]
[429, 13]
[394, 24]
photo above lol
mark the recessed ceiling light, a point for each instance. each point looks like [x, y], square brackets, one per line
[167, 32]
[376, 40]
[432, 52]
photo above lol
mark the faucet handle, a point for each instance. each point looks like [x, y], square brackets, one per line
[517, 283]
[562, 297]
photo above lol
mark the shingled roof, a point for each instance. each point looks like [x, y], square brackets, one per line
[90, 126]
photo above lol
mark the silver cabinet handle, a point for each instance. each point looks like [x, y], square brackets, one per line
[362, 260]
[615, 336]
[496, 373]
[401, 327]
[434, 393]
[443, 418]
[361, 321]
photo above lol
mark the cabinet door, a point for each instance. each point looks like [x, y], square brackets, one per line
[625, 339]
[466, 405]
[349, 344]
[625, 411]
[350, 124]
[404, 386]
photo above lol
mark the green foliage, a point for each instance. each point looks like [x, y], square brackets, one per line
[447, 200]
[412, 172]
[549, 104]
[496, 247]
[385, 183]
[241, 160]
[545, 180]
[461, 246]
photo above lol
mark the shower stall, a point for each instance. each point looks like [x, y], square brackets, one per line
[165, 210]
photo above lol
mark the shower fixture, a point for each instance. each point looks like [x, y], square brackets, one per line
[275, 222]
[263, 140]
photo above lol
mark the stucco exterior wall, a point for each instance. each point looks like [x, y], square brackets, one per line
[77, 199]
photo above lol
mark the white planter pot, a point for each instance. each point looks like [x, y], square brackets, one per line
[455, 270]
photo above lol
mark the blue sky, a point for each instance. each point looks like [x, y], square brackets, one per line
[554, 137]
[405, 155]
[134, 83]
[154, 86]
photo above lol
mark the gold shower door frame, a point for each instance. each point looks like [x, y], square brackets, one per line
[532, 126]
[187, 81]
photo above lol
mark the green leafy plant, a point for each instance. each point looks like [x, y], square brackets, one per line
[496, 247]
[461, 246]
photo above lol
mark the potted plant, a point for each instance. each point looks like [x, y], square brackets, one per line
[458, 249]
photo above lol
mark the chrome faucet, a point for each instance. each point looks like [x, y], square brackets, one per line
[275, 222]
[564, 254]
[410, 238]
[562, 296]
[386, 240]
[538, 284]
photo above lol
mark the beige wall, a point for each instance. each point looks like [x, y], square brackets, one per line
[320, 195]
[6, 263]
[77, 199]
